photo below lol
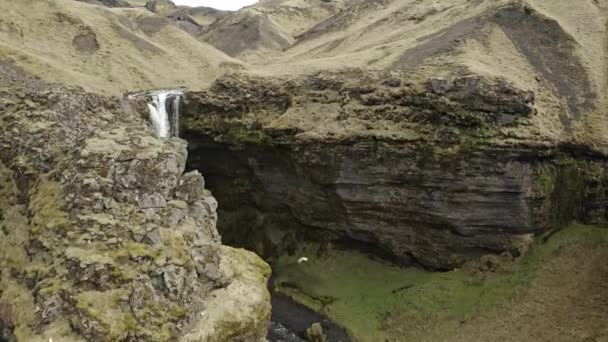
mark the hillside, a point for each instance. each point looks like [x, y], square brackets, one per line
[268, 27]
[109, 51]
[540, 46]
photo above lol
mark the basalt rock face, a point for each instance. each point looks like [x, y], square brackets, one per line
[102, 234]
[450, 191]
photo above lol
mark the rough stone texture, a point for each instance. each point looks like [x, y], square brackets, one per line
[452, 192]
[95, 241]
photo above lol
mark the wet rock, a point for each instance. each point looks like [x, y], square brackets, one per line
[315, 333]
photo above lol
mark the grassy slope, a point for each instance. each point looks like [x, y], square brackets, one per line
[137, 49]
[378, 301]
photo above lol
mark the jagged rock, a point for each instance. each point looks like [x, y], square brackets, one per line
[173, 277]
[191, 187]
[151, 201]
[111, 252]
[51, 309]
[178, 210]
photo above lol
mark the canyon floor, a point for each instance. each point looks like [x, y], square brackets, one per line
[557, 292]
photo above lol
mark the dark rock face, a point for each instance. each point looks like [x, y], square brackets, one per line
[439, 201]
[440, 212]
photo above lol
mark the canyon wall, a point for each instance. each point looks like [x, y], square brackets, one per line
[456, 190]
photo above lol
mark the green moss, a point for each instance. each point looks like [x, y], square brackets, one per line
[563, 185]
[105, 308]
[234, 132]
[47, 205]
[135, 250]
[175, 251]
[177, 311]
[268, 235]
[53, 286]
[376, 300]
[240, 135]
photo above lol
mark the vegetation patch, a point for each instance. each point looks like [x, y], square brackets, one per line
[47, 205]
[234, 132]
[564, 186]
[377, 301]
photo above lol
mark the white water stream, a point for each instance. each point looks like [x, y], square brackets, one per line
[164, 111]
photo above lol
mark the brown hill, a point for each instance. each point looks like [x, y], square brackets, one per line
[268, 27]
[107, 50]
[552, 48]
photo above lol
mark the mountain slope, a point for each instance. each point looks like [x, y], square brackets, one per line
[105, 50]
[267, 27]
[552, 48]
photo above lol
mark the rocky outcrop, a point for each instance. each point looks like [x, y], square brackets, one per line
[161, 7]
[451, 191]
[206, 16]
[103, 236]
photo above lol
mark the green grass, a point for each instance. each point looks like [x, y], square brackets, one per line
[363, 294]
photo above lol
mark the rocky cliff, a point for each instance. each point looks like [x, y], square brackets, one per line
[102, 234]
[430, 173]
[435, 132]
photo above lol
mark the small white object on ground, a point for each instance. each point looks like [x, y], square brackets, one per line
[302, 259]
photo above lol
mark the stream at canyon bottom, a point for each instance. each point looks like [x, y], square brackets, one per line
[290, 320]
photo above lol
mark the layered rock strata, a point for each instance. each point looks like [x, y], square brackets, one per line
[427, 174]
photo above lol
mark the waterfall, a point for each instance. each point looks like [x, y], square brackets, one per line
[163, 106]
[175, 123]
